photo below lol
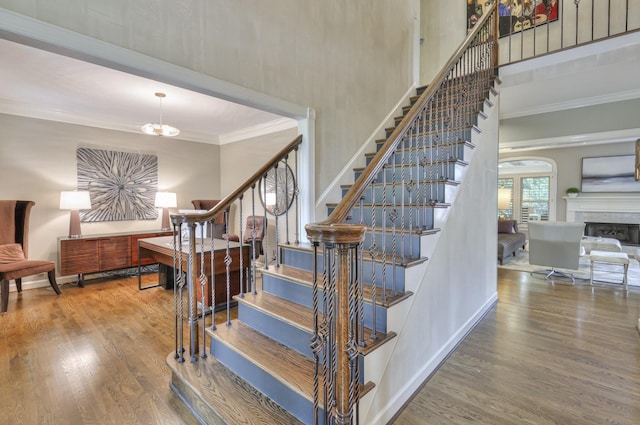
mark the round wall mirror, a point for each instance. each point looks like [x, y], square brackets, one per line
[277, 189]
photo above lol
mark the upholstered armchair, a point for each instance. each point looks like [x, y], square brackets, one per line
[218, 222]
[14, 247]
[254, 223]
[555, 245]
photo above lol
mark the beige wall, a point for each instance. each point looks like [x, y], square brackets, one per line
[38, 160]
[587, 121]
[349, 61]
[438, 23]
[240, 161]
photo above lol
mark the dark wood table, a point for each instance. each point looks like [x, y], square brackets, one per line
[160, 249]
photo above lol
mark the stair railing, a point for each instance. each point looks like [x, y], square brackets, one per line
[198, 258]
[554, 25]
[402, 185]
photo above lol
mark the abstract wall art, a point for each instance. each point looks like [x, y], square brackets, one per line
[609, 174]
[122, 185]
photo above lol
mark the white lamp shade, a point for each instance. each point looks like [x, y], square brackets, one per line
[75, 200]
[504, 198]
[166, 200]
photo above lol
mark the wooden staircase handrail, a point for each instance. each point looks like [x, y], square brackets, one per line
[342, 210]
[226, 202]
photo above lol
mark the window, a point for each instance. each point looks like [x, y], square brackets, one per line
[529, 185]
[534, 197]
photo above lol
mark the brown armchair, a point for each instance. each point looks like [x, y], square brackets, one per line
[14, 244]
[254, 222]
[218, 222]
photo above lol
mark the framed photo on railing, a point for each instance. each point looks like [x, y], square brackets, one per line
[514, 15]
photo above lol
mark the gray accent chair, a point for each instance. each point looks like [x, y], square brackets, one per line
[509, 239]
[555, 244]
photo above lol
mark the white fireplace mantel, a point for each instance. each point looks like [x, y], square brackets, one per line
[626, 207]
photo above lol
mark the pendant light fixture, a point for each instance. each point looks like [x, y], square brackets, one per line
[159, 129]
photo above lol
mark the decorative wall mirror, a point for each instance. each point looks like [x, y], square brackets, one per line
[277, 189]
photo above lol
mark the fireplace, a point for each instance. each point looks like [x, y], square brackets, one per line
[627, 234]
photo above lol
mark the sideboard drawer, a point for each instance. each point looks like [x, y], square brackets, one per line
[114, 253]
[78, 256]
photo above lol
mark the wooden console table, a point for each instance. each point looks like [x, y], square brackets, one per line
[160, 249]
[101, 253]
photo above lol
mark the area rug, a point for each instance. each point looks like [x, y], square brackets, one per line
[603, 273]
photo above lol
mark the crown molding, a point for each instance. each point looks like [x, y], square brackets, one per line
[600, 138]
[258, 130]
[576, 103]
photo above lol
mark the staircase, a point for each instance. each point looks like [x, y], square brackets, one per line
[266, 365]
[263, 359]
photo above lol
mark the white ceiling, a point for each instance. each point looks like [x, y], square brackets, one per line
[41, 84]
[45, 85]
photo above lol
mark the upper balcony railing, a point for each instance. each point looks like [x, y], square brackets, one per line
[533, 28]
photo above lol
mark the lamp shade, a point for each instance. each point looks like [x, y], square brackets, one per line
[160, 129]
[504, 198]
[75, 200]
[166, 200]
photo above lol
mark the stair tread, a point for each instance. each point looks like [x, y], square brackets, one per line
[413, 148]
[233, 399]
[399, 183]
[476, 111]
[305, 277]
[290, 367]
[304, 246]
[453, 129]
[436, 162]
[445, 145]
[413, 99]
[301, 316]
[415, 204]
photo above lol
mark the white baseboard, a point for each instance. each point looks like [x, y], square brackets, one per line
[42, 283]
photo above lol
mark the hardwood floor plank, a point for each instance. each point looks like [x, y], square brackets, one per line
[91, 356]
[547, 354]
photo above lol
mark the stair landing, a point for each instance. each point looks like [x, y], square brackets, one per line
[229, 399]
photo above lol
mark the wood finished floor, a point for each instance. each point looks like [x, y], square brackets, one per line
[545, 355]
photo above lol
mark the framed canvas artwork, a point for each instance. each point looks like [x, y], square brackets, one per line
[610, 174]
[122, 185]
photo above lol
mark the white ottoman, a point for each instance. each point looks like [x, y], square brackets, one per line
[608, 257]
[590, 243]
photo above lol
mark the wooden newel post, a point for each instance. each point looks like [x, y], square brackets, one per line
[192, 278]
[340, 352]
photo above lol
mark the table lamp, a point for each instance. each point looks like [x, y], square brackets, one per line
[166, 200]
[504, 199]
[75, 201]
